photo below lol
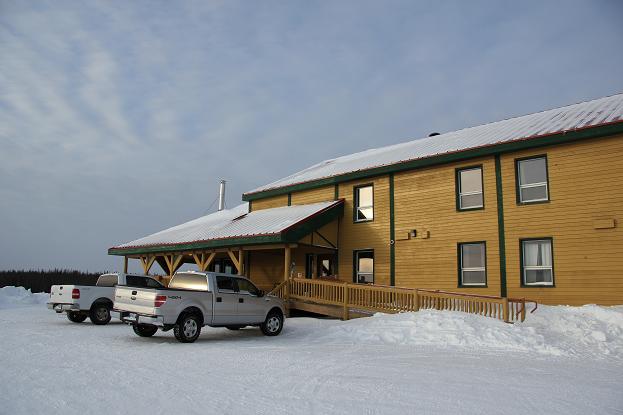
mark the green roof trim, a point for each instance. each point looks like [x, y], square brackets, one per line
[516, 145]
[289, 235]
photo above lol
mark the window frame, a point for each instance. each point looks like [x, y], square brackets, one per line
[518, 177]
[356, 201]
[522, 267]
[459, 261]
[356, 273]
[457, 185]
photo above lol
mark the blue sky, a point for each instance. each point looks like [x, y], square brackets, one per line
[117, 119]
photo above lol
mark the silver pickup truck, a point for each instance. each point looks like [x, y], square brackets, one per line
[196, 299]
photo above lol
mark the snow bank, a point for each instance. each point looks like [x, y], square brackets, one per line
[552, 330]
[11, 297]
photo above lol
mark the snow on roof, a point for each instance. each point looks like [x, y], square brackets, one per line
[232, 223]
[578, 116]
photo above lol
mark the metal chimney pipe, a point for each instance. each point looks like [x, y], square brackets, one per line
[221, 196]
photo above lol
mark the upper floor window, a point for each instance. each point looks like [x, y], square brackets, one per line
[532, 180]
[537, 262]
[469, 188]
[472, 264]
[364, 203]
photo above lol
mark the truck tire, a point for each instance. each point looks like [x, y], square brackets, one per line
[76, 317]
[144, 330]
[188, 328]
[100, 314]
[273, 324]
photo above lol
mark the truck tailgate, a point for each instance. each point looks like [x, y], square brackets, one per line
[136, 300]
[61, 294]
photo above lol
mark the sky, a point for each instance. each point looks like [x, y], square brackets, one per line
[118, 119]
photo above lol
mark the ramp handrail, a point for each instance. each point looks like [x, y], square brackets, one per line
[377, 298]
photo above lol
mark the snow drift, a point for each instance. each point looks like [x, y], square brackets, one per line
[11, 297]
[553, 330]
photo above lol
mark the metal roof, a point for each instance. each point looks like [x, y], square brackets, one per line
[235, 224]
[599, 112]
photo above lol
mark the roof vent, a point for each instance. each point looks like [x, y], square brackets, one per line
[433, 134]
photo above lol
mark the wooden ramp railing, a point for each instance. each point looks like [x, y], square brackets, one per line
[378, 298]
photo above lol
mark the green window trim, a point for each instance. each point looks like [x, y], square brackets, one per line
[356, 272]
[459, 260]
[356, 202]
[517, 181]
[457, 187]
[521, 263]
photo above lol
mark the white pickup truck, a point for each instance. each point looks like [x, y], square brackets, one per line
[196, 299]
[95, 302]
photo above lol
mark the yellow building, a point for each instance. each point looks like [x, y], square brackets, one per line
[525, 207]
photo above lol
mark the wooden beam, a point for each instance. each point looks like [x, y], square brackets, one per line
[241, 262]
[287, 262]
[208, 261]
[125, 264]
[147, 262]
[177, 263]
[234, 259]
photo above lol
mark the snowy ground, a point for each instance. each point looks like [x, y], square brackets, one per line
[562, 360]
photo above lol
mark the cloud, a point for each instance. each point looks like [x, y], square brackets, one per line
[118, 119]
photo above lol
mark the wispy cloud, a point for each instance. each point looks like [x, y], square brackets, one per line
[118, 119]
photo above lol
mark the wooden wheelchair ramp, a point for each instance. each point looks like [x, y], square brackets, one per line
[345, 300]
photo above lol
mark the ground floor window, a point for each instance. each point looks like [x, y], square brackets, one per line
[472, 264]
[537, 262]
[319, 265]
[364, 266]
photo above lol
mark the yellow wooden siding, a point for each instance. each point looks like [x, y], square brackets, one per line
[270, 202]
[425, 200]
[585, 185]
[365, 235]
[266, 267]
[306, 197]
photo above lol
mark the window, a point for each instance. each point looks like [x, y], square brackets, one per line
[107, 280]
[537, 262]
[532, 180]
[246, 287]
[364, 267]
[225, 283]
[469, 188]
[472, 264]
[142, 282]
[364, 203]
[189, 281]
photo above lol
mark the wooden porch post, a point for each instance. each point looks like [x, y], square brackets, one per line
[287, 263]
[125, 264]
[241, 269]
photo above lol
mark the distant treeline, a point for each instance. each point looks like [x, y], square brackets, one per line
[41, 281]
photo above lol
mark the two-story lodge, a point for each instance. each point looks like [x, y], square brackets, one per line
[525, 207]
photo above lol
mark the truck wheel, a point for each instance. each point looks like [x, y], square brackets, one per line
[144, 330]
[188, 328]
[76, 317]
[273, 324]
[100, 314]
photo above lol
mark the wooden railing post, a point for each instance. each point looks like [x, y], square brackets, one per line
[523, 309]
[505, 310]
[417, 300]
[345, 313]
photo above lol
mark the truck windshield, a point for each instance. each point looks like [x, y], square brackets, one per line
[189, 281]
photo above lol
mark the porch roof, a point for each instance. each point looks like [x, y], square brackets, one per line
[237, 227]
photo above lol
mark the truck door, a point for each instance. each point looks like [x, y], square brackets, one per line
[225, 301]
[251, 307]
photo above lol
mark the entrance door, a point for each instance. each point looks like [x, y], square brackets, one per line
[309, 265]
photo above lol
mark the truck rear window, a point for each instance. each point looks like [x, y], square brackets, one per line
[142, 282]
[189, 281]
[107, 280]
